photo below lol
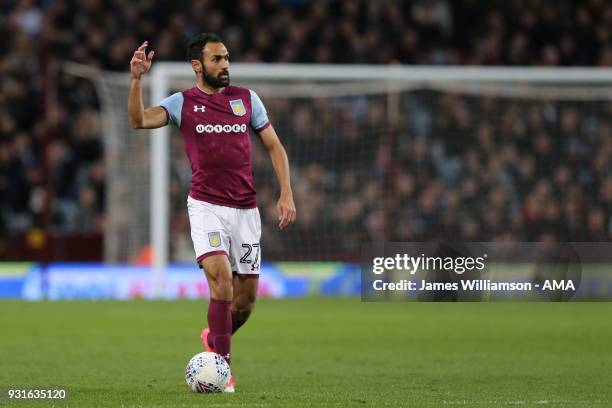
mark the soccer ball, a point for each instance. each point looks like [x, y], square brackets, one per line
[207, 372]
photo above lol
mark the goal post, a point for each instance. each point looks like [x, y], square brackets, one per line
[347, 127]
[160, 179]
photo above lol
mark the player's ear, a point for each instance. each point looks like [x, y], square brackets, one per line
[197, 66]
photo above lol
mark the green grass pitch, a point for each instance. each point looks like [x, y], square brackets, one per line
[315, 352]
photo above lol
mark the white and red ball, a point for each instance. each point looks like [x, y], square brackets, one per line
[207, 372]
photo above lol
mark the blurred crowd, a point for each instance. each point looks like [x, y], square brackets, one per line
[479, 168]
[452, 166]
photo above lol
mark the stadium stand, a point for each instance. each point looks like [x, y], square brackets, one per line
[556, 185]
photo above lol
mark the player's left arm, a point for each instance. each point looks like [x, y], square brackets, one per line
[285, 205]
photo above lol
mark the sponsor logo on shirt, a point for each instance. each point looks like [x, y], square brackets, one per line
[235, 128]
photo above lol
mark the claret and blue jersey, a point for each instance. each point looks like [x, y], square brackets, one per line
[215, 129]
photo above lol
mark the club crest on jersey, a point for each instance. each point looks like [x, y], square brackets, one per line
[238, 107]
[214, 239]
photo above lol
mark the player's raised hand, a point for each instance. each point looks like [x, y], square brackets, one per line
[141, 61]
[286, 211]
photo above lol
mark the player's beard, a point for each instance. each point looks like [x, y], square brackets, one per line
[218, 81]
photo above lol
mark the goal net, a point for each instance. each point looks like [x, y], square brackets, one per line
[380, 154]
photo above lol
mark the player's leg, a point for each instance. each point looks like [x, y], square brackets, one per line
[245, 253]
[211, 244]
[243, 302]
[219, 276]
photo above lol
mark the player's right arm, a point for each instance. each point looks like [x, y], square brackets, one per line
[139, 117]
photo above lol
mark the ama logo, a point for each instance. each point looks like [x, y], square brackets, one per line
[558, 285]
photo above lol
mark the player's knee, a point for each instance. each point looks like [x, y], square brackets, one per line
[222, 288]
[243, 309]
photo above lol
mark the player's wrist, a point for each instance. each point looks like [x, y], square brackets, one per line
[286, 194]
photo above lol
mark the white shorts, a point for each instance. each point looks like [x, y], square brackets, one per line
[235, 232]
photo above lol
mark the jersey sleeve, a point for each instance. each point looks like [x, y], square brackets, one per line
[259, 116]
[173, 106]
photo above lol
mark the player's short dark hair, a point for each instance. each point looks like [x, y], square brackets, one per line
[197, 44]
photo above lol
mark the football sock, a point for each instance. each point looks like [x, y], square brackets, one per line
[220, 324]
